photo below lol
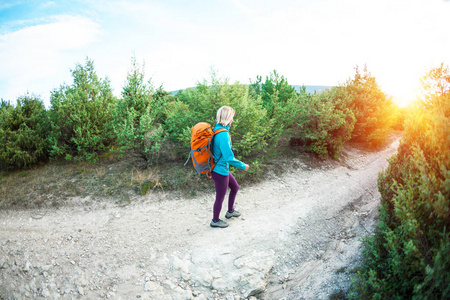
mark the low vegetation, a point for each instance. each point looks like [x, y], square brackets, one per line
[86, 122]
[409, 256]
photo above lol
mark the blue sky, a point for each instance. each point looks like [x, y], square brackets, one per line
[309, 42]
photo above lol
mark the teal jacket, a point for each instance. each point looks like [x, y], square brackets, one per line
[223, 155]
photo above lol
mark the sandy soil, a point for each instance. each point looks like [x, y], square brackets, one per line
[298, 238]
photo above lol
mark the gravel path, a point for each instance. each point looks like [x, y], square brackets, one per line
[298, 238]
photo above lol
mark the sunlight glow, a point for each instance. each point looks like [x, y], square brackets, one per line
[404, 101]
[403, 86]
[405, 97]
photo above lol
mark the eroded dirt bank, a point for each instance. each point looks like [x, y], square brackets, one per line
[298, 237]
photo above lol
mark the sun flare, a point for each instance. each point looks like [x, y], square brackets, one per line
[404, 100]
[404, 93]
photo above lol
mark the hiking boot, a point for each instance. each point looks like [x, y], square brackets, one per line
[234, 213]
[220, 223]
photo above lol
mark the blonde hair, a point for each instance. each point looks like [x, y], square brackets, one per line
[224, 115]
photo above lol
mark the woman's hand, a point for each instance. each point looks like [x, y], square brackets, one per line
[246, 168]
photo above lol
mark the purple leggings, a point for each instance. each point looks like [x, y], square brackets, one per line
[222, 183]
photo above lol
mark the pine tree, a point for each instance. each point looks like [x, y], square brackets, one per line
[80, 115]
[23, 133]
[373, 109]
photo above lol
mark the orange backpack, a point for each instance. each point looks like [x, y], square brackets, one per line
[201, 144]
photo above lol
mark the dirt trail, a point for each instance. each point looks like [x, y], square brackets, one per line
[298, 238]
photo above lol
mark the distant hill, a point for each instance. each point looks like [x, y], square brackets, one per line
[310, 89]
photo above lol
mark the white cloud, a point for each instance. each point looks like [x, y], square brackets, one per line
[48, 4]
[244, 8]
[36, 58]
[5, 5]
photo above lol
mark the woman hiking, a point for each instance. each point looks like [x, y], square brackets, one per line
[223, 158]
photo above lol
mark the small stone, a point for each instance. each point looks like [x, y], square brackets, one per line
[151, 286]
[80, 290]
[219, 285]
[46, 267]
[200, 297]
[187, 294]
[185, 276]
[26, 268]
[45, 293]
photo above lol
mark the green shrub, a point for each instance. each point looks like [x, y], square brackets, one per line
[80, 115]
[23, 133]
[401, 114]
[250, 128]
[281, 101]
[324, 123]
[435, 85]
[409, 257]
[137, 116]
[373, 110]
[320, 123]
[276, 95]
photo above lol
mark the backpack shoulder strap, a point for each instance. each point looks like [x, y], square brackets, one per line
[219, 130]
[214, 134]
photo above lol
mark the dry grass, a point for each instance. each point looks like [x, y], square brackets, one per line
[114, 179]
[146, 180]
[55, 182]
[109, 179]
